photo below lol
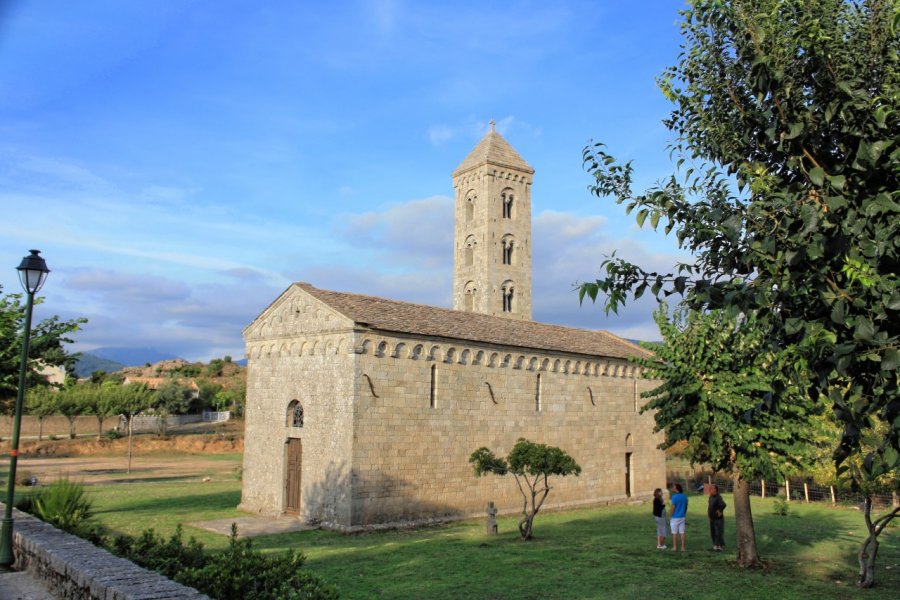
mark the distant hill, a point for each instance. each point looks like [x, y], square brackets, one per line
[88, 363]
[132, 357]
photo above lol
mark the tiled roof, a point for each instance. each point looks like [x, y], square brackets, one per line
[495, 150]
[418, 319]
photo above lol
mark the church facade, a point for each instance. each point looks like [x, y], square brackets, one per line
[362, 411]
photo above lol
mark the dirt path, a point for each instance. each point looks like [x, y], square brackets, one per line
[112, 469]
[199, 456]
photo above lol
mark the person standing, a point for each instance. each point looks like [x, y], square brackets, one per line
[716, 514]
[659, 515]
[679, 515]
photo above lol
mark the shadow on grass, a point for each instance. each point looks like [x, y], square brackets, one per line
[177, 504]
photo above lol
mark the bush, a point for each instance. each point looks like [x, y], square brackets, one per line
[167, 557]
[63, 504]
[26, 478]
[238, 573]
[113, 434]
[781, 506]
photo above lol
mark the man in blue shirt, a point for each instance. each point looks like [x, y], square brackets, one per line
[679, 514]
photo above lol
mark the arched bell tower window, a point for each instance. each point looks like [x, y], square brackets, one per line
[469, 251]
[470, 296]
[506, 199]
[507, 243]
[295, 414]
[507, 291]
[470, 207]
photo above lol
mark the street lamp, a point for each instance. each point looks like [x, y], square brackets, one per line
[32, 273]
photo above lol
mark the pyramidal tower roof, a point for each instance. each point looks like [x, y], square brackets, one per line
[495, 150]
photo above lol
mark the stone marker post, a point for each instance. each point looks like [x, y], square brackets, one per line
[491, 510]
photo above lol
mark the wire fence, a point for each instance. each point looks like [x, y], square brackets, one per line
[793, 490]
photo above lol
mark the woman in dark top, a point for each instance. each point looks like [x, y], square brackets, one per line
[659, 515]
[716, 518]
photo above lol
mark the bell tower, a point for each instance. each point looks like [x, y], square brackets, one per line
[492, 230]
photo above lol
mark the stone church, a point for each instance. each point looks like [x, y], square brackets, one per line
[362, 411]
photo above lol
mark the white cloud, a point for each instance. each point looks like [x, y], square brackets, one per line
[410, 234]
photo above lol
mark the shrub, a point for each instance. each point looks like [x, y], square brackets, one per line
[113, 434]
[26, 478]
[781, 506]
[153, 552]
[238, 573]
[241, 573]
[63, 504]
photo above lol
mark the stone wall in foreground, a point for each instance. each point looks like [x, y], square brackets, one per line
[73, 568]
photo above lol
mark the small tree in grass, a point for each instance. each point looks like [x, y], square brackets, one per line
[531, 464]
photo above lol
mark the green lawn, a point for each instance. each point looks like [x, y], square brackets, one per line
[597, 553]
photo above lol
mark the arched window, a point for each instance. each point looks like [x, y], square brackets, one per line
[470, 208]
[506, 199]
[295, 414]
[469, 291]
[432, 392]
[507, 251]
[469, 251]
[507, 292]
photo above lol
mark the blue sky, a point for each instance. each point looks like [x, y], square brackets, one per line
[179, 162]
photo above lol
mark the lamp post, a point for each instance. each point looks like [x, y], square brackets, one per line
[32, 273]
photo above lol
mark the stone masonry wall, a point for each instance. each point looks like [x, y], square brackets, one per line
[75, 569]
[410, 460]
[315, 369]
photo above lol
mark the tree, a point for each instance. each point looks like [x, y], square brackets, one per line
[70, 403]
[96, 398]
[40, 402]
[531, 465]
[172, 398]
[129, 400]
[717, 374]
[786, 113]
[46, 348]
[206, 397]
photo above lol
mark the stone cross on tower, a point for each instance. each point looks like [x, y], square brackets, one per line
[492, 230]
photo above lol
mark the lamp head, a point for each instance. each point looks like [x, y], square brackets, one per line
[33, 271]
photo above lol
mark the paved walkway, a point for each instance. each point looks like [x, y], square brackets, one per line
[253, 526]
[21, 586]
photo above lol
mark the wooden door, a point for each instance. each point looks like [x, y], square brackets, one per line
[292, 476]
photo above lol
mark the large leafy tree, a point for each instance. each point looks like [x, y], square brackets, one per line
[531, 465]
[47, 347]
[787, 124]
[716, 396]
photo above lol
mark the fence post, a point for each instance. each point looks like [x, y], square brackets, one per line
[833, 501]
[787, 489]
[806, 491]
[763, 488]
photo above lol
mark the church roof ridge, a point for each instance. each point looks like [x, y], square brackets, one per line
[421, 319]
[493, 149]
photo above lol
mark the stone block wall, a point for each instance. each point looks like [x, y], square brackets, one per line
[316, 370]
[75, 569]
[410, 452]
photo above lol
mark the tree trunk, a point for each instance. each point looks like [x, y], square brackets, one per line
[526, 526]
[747, 554]
[99, 426]
[71, 427]
[869, 550]
[40, 428]
[130, 431]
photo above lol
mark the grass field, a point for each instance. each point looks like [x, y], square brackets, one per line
[596, 553]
